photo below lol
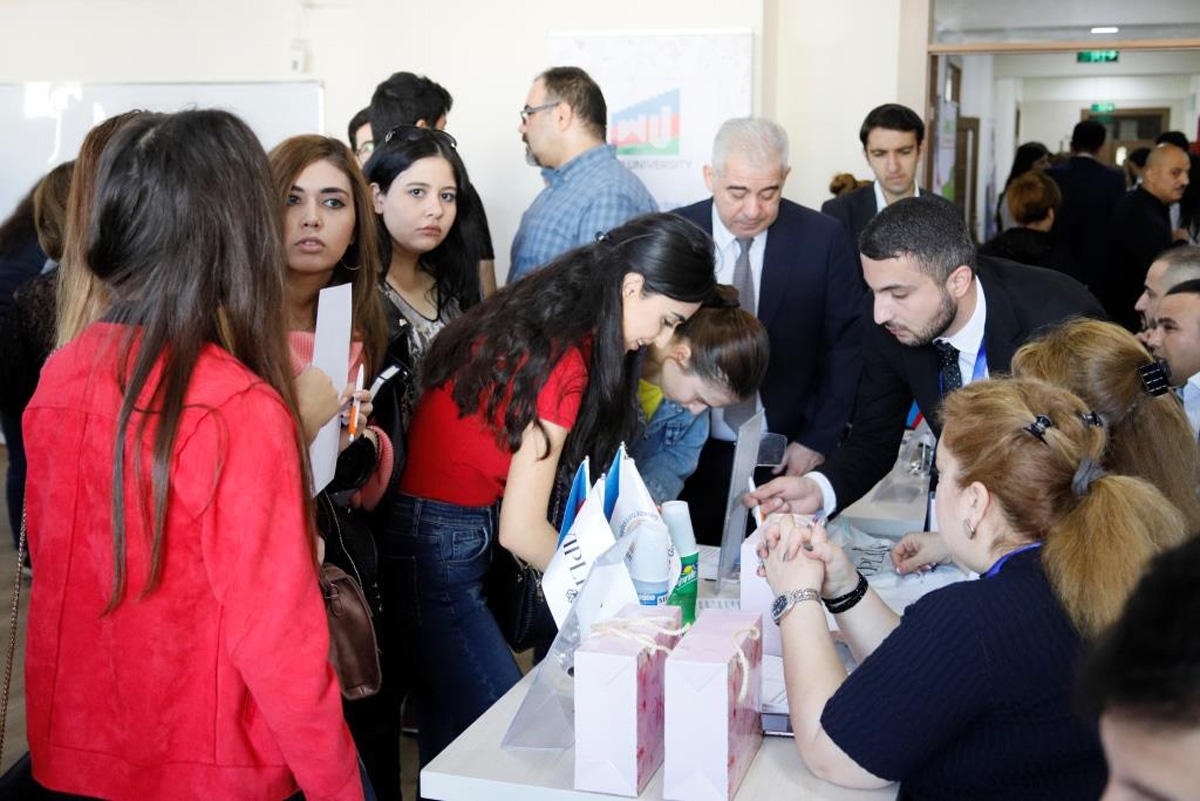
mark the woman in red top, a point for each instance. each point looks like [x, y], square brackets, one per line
[542, 372]
[177, 645]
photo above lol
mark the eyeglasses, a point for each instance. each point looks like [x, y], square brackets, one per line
[529, 111]
[365, 149]
[415, 133]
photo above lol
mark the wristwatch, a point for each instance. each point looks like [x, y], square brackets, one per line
[789, 599]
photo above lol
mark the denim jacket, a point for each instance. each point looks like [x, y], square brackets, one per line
[668, 449]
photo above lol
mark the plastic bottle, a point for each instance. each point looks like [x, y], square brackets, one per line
[679, 522]
[649, 566]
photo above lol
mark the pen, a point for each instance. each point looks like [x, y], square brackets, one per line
[358, 386]
[756, 510]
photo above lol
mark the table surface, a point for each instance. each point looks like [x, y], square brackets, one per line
[475, 767]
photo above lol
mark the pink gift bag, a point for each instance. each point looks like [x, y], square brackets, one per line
[619, 699]
[713, 728]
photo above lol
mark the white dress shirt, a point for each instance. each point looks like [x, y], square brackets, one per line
[1191, 402]
[967, 340]
[881, 203]
[726, 255]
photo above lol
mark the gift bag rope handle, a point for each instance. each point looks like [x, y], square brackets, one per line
[624, 627]
[12, 635]
[753, 633]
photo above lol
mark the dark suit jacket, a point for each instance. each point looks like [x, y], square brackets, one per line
[808, 301]
[1020, 301]
[855, 209]
[1090, 190]
[1139, 230]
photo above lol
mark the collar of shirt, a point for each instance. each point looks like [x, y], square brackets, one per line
[554, 176]
[881, 203]
[1191, 402]
[969, 338]
[727, 250]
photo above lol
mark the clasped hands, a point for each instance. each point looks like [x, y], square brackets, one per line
[796, 552]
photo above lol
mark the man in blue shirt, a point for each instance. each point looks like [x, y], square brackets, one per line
[563, 126]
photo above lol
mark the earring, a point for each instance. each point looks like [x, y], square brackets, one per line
[968, 529]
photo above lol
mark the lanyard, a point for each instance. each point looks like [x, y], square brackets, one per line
[978, 374]
[994, 569]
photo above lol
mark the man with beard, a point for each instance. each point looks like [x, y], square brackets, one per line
[563, 126]
[943, 318]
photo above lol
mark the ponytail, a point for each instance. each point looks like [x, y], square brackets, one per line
[1037, 449]
[729, 346]
[1095, 554]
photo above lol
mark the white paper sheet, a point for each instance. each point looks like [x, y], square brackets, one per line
[331, 354]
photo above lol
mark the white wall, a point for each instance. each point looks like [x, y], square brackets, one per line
[1064, 65]
[818, 70]
[1050, 107]
[978, 90]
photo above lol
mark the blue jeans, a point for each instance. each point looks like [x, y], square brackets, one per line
[438, 554]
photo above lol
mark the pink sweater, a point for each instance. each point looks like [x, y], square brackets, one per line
[300, 345]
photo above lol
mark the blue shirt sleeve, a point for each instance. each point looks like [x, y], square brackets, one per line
[606, 212]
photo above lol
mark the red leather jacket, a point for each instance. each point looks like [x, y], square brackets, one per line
[216, 684]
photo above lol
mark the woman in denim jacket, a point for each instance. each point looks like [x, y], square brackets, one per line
[717, 358]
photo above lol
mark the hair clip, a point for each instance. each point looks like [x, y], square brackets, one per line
[1089, 471]
[601, 236]
[1154, 378]
[1039, 425]
[1092, 418]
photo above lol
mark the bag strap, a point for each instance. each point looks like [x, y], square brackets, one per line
[12, 634]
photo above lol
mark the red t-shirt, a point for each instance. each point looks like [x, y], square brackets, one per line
[457, 459]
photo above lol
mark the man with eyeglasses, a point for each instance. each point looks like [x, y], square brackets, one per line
[362, 141]
[587, 192]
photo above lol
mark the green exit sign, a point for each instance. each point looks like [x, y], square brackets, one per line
[1104, 107]
[1097, 56]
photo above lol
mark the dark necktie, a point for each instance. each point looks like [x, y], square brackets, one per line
[948, 361]
[743, 282]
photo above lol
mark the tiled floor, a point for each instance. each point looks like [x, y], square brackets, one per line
[14, 744]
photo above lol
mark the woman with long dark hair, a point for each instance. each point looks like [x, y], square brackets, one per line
[330, 238]
[540, 374]
[178, 644]
[431, 270]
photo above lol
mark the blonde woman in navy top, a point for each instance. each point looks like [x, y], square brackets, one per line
[970, 694]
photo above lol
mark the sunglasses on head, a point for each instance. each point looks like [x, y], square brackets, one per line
[415, 133]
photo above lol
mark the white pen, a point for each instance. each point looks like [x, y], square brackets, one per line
[358, 387]
[757, 508]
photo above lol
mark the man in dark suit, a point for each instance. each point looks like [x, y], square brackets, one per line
[943, 318]
[797, 270]
[1090, 190]
[1140, 230]
[892, 137]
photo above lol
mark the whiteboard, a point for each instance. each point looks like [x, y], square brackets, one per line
[42, 124]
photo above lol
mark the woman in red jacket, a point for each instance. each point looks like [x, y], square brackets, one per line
[177, 641]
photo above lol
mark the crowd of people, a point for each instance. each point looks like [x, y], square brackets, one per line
[160, 401]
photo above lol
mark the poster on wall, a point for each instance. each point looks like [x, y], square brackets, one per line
[667, 93]
[947, 139]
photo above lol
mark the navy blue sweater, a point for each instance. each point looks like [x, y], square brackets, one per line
[970, 697]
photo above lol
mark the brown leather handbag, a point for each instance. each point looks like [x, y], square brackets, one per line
[353, 650]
